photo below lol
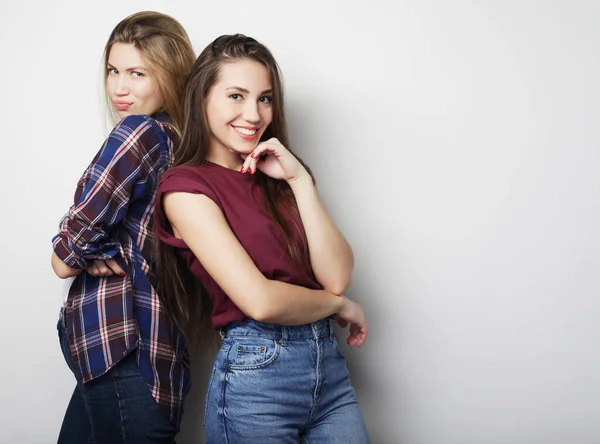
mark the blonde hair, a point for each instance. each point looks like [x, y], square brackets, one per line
[165, 46]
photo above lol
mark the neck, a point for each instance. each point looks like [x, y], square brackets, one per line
[220, 155]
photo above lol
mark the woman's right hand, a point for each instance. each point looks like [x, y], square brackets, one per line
[353, 314]
[277, 161]
[108, 267]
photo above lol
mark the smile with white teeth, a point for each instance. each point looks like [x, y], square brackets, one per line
[245, 131]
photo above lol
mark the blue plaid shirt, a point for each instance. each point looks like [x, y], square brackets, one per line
[109, 317]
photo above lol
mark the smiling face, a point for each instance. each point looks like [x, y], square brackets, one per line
[239, 107]
[130, 83]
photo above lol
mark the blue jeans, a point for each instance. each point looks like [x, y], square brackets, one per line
[115, 408]
[273, 384]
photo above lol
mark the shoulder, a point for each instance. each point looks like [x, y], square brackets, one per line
[135, 123]
[192, 172]
[138, 130]
[185, 178]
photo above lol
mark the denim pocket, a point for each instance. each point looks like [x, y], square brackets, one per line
[252, 353]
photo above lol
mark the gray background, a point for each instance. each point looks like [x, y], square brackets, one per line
[455, 143]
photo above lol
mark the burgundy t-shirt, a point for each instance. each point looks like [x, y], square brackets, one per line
[242, 203]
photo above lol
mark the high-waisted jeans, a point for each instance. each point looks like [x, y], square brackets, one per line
[274, 384]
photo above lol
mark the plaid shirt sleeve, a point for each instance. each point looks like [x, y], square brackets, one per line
[104, 192]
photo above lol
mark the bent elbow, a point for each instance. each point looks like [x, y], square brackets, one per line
[61, 269]
[337, 278]
[336, 289]
[258, 303]
[64, 273]
[260, 317]
[60, 273]
[261, 313]
[337, 286]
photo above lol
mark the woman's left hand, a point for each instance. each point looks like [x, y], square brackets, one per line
[279, 163]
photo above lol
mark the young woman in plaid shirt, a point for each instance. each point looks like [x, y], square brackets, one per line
[128, 356]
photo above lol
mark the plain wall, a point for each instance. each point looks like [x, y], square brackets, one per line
[455, 143]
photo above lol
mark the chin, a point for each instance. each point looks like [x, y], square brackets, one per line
[242, 148]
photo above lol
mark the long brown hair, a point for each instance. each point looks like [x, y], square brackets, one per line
[165, 45]
[179, 291]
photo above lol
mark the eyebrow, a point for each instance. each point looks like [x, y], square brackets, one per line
[245, 91]
[133, 68]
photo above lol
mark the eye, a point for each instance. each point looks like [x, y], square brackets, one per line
[236, 96]
[266, 99]
[137, 74]
[112, 71]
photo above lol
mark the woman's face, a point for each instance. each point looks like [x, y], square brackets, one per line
[239, 106]
[131, 85]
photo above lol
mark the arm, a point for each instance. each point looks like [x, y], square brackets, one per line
[61, 269]
[197, 220]
[102, 200]
[331, 256]
[108, 267]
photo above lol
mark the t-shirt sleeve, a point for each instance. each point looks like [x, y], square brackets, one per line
[178, 179]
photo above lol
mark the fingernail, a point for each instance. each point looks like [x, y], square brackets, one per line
[242, 169]
[252, 155]
[250, 170]
[122, 274]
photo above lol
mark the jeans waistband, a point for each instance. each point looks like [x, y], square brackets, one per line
[319, 329]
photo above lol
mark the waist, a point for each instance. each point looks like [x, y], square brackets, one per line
[251, 328]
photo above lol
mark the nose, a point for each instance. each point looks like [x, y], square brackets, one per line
[251, 112]
[122, 86]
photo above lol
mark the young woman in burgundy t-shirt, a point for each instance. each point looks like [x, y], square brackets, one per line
[240, 213]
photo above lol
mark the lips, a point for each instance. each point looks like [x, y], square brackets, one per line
[246, 133]
[122, 106]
